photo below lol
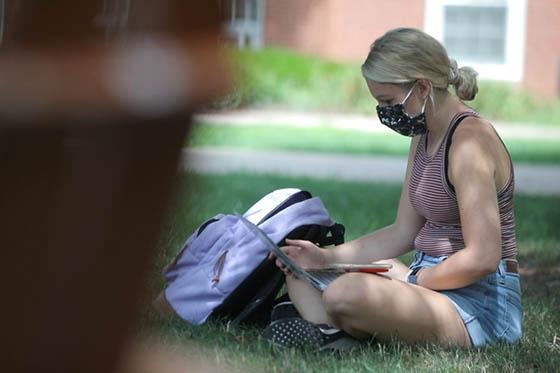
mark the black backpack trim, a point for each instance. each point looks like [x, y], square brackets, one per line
[245, 305]
[300, 196]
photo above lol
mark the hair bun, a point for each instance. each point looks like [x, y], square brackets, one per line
[463, 80]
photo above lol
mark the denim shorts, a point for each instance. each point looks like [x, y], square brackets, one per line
[490, 308]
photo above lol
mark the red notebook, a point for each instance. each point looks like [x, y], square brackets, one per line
[342, 268]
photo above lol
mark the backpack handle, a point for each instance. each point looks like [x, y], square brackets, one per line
[336, 235]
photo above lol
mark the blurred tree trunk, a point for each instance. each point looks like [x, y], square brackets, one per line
[86, 180]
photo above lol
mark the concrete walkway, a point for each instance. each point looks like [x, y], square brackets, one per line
[360, 123]
[530, 179]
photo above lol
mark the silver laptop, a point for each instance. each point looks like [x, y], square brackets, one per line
[318, 279]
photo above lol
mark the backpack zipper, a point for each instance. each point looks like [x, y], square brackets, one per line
[218, 267]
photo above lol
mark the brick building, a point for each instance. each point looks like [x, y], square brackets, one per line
[509, 40]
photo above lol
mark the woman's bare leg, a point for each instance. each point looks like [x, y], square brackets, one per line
[308, 300]
[365, 304]
[398, 271]
[368, 304]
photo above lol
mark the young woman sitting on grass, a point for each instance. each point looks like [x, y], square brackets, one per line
[455, 211]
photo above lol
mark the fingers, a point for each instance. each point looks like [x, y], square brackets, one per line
[383, 275]
[285, 249]
[283, 268]
[301, 243]
[290, 249]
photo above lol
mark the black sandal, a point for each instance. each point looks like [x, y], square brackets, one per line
[284, 310]
[299, 333]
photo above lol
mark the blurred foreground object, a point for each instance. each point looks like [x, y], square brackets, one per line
[95, 103]
[149, 356]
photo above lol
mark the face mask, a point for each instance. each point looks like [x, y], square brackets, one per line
[399, 121]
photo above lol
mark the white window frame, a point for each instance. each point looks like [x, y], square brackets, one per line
[241, 29]
[512, 69]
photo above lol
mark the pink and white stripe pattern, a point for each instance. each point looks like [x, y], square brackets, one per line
[433, 197]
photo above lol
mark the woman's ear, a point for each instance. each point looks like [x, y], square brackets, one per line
[424, 87]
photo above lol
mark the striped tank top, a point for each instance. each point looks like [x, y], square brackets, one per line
[433, 197]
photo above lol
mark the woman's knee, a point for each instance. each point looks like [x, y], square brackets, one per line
[345, 296]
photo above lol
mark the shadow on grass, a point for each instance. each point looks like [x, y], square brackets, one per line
[244, 349]
[364, 207]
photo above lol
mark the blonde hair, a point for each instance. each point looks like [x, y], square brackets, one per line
[404, 55]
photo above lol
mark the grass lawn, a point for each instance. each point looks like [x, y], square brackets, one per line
[336, 140]
[363, 207]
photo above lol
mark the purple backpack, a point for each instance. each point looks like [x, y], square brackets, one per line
[223, 271]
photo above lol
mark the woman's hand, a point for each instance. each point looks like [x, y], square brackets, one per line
[303, 253]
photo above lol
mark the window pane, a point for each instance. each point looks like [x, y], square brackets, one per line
[240, 9]
[475, 33]
[253, 15]
[244, 25]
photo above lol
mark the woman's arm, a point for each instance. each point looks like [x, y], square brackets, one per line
[388, 242]
[472, 168]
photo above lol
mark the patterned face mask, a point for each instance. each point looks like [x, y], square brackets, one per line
[399, 121]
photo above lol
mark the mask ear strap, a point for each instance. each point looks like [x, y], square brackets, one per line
[408, 94]
[425, 102]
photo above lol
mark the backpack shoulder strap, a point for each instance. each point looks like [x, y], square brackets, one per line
[265, 292]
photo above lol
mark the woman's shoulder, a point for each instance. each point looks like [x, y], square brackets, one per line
[476, 147]
[475, 133]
